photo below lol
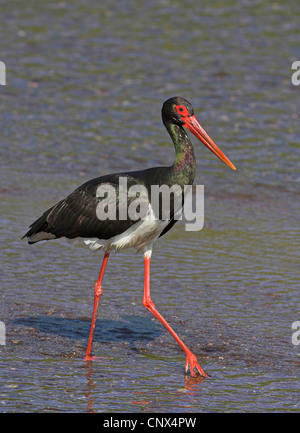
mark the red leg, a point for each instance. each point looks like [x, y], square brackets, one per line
[191, 359]
[98, 293]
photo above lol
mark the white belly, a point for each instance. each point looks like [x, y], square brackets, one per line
[140, 235]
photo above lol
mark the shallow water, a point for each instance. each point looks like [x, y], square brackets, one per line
[85, 84]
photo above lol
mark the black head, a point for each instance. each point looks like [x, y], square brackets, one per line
[176, 109]
[180, 112]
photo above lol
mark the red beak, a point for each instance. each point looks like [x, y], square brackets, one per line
[192, 124]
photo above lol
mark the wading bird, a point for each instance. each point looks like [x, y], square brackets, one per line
[76, 218]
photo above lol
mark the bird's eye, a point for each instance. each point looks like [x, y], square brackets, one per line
[183, 111]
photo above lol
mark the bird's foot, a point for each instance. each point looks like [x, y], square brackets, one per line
[191, 361]
[90, 358]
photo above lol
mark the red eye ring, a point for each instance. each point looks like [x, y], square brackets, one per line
[183, 111]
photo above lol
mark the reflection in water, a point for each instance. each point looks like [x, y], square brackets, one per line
[191, 388]
[191, 383]
[89, 387]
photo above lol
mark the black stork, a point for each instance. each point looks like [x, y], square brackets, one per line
[75, 217]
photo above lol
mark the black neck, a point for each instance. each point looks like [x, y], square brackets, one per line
[183, 169]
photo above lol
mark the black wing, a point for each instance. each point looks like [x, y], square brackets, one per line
[76, 216]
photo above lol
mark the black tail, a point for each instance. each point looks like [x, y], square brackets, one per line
[40, 225]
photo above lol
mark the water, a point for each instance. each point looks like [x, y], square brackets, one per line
[85, 85]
